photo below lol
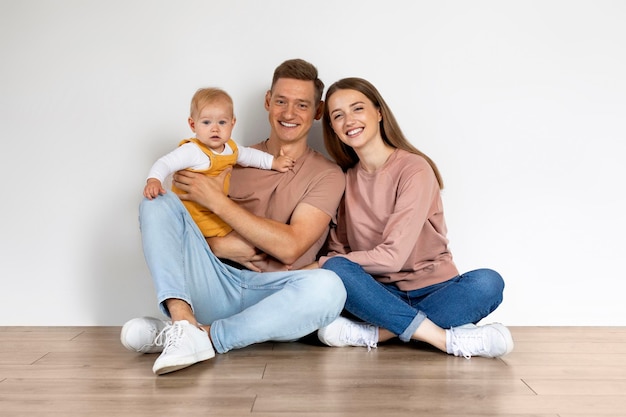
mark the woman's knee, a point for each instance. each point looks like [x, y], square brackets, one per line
[344, 268]
[494, 280]
[491, 285]
[337, 263]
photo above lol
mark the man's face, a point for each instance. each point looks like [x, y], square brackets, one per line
[291, 109]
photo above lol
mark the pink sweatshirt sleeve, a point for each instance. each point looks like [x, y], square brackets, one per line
[338, 241]
[413, 206]
[392, 217]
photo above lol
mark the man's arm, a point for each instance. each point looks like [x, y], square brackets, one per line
[237, 249]
[285, 242]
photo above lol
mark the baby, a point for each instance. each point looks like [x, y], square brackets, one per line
[210, 152]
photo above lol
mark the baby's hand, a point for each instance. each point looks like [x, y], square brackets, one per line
[153, 189]
[283, 163]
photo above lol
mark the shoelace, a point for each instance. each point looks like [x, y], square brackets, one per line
[460, 350]
[169, 336]
[355, 335]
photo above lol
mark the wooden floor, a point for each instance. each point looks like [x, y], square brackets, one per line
[84, 371]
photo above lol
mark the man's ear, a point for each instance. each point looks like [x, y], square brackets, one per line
[320, 111]
[268, 96]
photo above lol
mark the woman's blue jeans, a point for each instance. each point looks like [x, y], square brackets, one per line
[243, 307]
[464, 299]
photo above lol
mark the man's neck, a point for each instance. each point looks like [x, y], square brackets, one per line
[293, 149]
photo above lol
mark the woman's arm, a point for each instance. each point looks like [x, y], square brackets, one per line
[414, 194]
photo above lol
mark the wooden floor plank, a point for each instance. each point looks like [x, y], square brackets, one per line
[84, 371]
[415, 404]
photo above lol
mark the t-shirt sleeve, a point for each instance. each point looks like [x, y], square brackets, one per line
[326, 190]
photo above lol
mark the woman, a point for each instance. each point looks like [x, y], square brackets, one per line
[390, 247]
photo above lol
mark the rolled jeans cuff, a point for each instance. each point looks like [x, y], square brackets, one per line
[410, 330]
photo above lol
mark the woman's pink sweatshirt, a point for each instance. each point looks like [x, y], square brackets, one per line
[391, 223]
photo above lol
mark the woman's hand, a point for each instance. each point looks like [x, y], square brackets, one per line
[314, 265]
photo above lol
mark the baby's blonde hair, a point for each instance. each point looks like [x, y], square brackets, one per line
[209, 96]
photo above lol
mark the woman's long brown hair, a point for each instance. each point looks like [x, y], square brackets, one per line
[390, 131]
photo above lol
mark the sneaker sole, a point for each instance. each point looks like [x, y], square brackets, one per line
[181, 363]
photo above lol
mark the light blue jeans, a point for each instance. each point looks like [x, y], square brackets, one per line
[242, 307]
[464, 299]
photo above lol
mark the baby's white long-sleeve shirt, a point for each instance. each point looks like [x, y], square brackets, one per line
[190, 156]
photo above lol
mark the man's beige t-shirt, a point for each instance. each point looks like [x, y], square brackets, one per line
[314, 180]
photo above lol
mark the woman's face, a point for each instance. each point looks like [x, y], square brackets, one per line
[354, 118]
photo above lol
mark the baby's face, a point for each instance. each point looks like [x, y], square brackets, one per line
[213, 126]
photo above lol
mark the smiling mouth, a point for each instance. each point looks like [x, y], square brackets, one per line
[285, 124]
[354, 132]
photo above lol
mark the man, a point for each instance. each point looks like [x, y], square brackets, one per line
[280, 221]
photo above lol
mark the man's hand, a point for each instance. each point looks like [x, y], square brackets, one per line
[237, 249]
[204, 190]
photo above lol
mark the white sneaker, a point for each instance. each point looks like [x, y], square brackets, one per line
[185, 344]
[343, 332]
[141, 334]
[490, 341]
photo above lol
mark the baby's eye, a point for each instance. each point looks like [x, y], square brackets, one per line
[223, 122]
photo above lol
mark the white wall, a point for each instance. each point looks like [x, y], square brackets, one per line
[521, 103]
